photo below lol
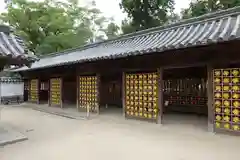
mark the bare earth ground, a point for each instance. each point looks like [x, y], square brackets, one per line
[111, 138]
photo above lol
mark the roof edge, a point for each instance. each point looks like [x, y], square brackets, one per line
[205, 17]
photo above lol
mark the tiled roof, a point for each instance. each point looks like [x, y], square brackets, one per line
[211, 28]
[12, 46]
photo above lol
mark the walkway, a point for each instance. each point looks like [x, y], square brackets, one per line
[106, 138]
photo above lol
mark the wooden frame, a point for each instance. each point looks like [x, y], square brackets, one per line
[210, 98]
[97, 94]
[160, 95]
[123, 94]
[141, 100]
[61, 93]
[77, 98]
[37, 90]
[224, 114]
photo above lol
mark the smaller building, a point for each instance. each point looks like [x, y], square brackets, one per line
[11, 90]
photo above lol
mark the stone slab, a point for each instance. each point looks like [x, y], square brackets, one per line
[8, 135]
[63, 112]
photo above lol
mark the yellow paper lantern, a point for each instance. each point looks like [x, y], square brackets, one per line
[217, 80]
[235, 80]
[217, 124]
[227, 126]
[218, 88]
[236, 119]
[227, 111]
[217, 95]
[236, 104]
[235, 72]
[236, 112]
[235, 96]
[226, 103]
[226, 80]
[218, 110]
[226, 73]
[217, 103]
[217, 73]
[226, 88]
[236, 127]
[145, 115]
[155, 110]
[149, 116]
[235, 88]
[218, 118]
[226, 118]
[226, 95]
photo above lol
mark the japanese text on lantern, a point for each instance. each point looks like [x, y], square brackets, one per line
[88, 88]
[55, 91]
[227, 98]
[141, 95]
[33, 94]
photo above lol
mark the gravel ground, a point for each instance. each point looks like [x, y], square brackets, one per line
[107, 138]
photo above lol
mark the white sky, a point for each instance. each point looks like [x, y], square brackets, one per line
[110, 8]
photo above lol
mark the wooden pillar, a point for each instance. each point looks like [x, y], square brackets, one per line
[77, 90]
[160, 95]
[98, 92]
[123, 93]
[61, 84]
[49, 93]
[51, 101]
[210, 98]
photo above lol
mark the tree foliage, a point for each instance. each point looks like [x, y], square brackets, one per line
[51, 26]
[200, 7]
[145, 14]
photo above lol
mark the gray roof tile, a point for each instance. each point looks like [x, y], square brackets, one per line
[211, 28]
[12, 46]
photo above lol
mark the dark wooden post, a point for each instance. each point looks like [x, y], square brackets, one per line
[98, 92]
[77, 90]
[210, 98]
[123, 93]
[160, 95]
[49, 91]
[62, 91]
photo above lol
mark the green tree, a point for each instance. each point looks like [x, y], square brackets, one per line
[200, 7]
[52, 26]
[145, 14]
[128, 26]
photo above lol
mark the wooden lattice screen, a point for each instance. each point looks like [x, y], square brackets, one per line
[227, 99]
[88, 93]
[55, 92]
[141, 96]
[34, 91]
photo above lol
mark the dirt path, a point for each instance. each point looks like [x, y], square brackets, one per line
[108, 138]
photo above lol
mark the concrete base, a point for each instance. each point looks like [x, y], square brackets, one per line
[8, 135]
[210, 127]
[67, 112]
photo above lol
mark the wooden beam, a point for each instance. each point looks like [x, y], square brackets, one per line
[98, 92]
[62, 92]
[77, 90]
[123, 93]
[210, 98]
[160, 95]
